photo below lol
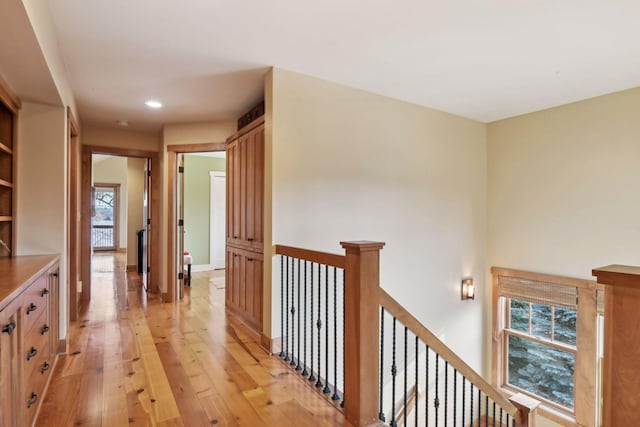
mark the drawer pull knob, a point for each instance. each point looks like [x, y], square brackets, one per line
[45, 329]
[9, 328]
[32, 353]
[235, 237]
[32, 401]
[45, 367]
[249, 259]
[44, 292]
[32, 307]
[250, 239]
[55, 274]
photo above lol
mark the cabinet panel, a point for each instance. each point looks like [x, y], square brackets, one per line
[10, 386]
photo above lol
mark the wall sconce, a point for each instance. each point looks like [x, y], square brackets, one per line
[467, 289]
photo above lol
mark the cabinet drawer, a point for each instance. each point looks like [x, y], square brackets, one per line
[35, 303]
[33, 394]
[38, 346]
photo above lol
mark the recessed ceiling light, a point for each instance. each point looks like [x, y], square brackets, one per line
[123, 123]
[153, 104]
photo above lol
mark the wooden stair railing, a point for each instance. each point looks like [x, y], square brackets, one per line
[346, 332]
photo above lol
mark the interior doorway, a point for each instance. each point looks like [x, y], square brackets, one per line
[190, 213]
[104, 204]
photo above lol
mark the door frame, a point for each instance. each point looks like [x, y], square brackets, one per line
[154, 212]
[172, 220]
[212, 176]
[73, 244]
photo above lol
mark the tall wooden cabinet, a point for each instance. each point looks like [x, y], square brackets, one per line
[245, 222]
[9, 106]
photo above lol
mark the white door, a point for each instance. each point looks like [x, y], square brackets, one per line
[217, 221]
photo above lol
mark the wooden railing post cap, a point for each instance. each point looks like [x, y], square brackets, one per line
[362, 246]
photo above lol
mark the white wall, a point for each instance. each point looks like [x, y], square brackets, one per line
[351, 165]
[41, 189]
[135, 194]
[114, 170]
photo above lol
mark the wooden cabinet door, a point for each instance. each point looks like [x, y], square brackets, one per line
[253, 303]
[243, 172]
[54, 310]
[255, 188]
[233, 193]
[10, 381]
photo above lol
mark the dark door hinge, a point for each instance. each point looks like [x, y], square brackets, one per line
[180, 276]
[181, 222]
[148, 269]
[148, 221]
[180, 169]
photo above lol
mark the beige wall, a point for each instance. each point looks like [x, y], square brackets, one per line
[120, 138]
[135, 194]
[563, 189]
[351, 165]
[41, 189]
[113, 170]
[181, 134]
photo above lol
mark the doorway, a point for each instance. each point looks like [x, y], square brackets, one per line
[96, 201]
[190, 228]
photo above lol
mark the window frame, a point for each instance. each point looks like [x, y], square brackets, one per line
[585, 352]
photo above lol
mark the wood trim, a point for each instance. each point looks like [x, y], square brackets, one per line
[73, 154]
[62, 346]
[6, 183]
[85, 224]
[116, 151]
[197, 148]
[5, 149]
[400, 313]
[248, 128]
[542, 277]
[8, 98]
[586, 359]
[333, 260]
[266, 343]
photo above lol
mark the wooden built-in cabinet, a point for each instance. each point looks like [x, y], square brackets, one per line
[29, 310]
[9, 106]
[245, 222]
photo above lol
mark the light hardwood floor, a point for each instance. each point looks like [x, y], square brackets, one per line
[135, 361]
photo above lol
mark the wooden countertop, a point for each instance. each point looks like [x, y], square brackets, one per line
[16, 273]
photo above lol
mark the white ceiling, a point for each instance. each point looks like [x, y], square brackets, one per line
[206, 59]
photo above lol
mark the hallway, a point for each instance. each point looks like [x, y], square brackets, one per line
[135, 361]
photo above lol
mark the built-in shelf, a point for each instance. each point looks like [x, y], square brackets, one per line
[5, 149]
[4, 183]
[6, 218]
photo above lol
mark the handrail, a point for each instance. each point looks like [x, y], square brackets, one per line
[414, 325]
[325, 258]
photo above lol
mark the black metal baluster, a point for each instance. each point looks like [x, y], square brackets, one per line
[455, 395]
[507, 420]
[404, 409]
[344, 333]
[464, 384]
[298, 367]
[416, 383]
[319, 325]
[494, 414]
[446, 392]
[514, 423]
[312, 377]
[471, 404]
[282, 308]
[381, 413]
[501, 416]
[479, 408]
[293, 313]
[394, 371]
[486, 411]
[286, 352]
[426, 386]
[335, 396]
[304, 371]
[436, 401]
[326, 389]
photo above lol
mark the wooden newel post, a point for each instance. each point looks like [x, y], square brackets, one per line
[621, 382]
[527, 408]
[362, 331]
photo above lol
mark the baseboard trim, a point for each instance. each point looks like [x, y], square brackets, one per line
[62, 346]
[132, 268]
[266, 343]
